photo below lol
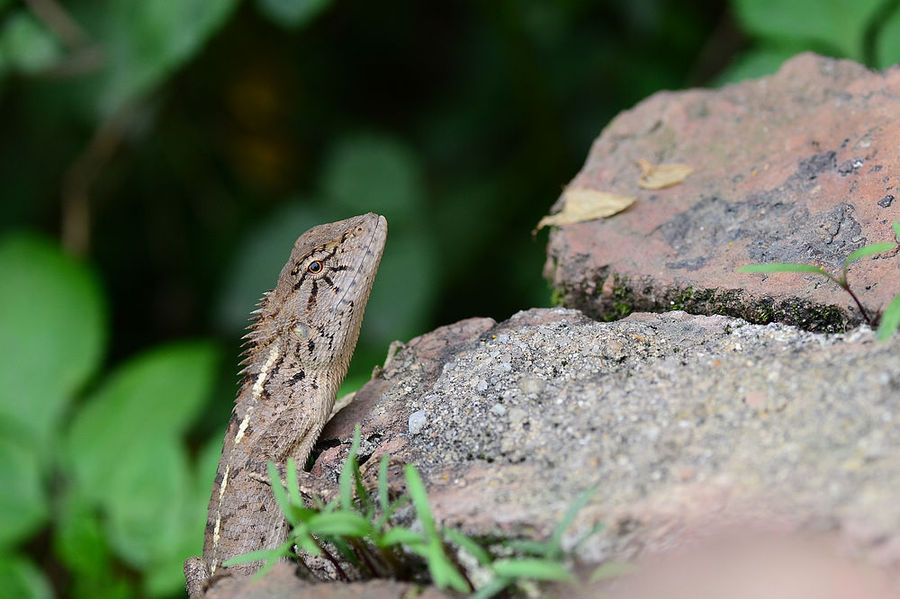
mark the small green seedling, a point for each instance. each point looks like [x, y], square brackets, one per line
[890, 319]
[357, 525]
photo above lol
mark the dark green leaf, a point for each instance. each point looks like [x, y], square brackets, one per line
[763, 59]
[292, 13]
[23, 501]
[52, 313]
[533, 569]
[890, 320]
[144, 42]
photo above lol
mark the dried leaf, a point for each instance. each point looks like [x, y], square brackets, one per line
[664, 175]
[582, 204]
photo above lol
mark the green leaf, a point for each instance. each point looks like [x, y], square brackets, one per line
[469, 545]
[887, 45]
[26, 44]
[890, 320]
[260, 555]
[567, 519]
[349, 524]
[145, 41]
[443, 573]
[896, 227]
[533, 569]
[366, 173]
[280, 493]
[145, 500]
[495, 586]
[838, 24]
[383, 500]
[763, 59]
[293, 484]
[420, 500]
[152, 398]
[23, 501]
[610, 570]
[79, 539]
[345, 479]
[784, 267]
[292, 13]
[21, 579]
[399, 536]
[53, 315]
[869, 250]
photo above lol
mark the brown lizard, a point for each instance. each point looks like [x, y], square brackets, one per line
[298, 350]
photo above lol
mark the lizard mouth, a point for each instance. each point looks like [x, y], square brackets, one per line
[364, 267]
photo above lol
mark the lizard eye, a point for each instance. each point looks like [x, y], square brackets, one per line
[315, 267]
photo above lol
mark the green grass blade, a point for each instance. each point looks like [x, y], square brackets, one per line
[492, 588]
[890, 320]
[399, 536]
[896, 227]
[345, 479]
[783, 267]
[568, 518]
[420, 500]
[293, 483]
[260, 555]
[383, 498]
[348, 524]
[443, 572]
[610, 570]
[868, 250]
[469, 545]
[280, 494]
[386, 515]
[530, 547]
[533, 569]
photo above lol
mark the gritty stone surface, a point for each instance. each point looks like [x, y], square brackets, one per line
[282, 583]
[688, 426]
[802, 166]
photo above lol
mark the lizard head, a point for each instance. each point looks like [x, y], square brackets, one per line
[316, 309]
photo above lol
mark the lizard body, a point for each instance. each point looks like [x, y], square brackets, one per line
[298, 350]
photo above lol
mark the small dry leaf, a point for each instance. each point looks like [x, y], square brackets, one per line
[581, 204]
[664, 175]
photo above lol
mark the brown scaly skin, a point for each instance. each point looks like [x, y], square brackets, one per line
[298, 351]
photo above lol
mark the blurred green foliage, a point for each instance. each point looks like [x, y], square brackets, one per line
[158, 159]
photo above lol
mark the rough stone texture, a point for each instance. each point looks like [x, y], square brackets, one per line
[691, 427]
[802, 166]
[282, 583]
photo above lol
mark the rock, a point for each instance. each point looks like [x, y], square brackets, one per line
[688, 426]
[281, 582]
[802, 166]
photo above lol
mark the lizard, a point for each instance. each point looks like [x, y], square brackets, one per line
[296, 355]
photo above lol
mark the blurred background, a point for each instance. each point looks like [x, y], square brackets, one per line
[159, 157]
